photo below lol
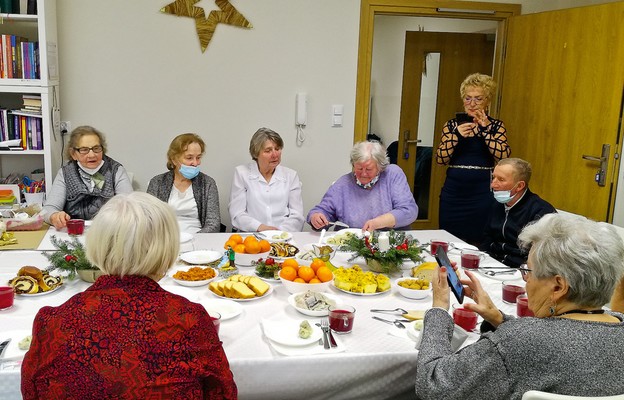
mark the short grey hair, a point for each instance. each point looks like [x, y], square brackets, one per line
[260, 137]
[134, 234]
[521, 169]
[365, 151]
[589, 255]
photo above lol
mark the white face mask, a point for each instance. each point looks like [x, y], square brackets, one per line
[504, 196]
[91, 171]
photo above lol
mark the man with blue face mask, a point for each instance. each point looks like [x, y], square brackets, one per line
[514, 207]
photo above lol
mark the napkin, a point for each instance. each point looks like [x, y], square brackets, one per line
[459, 335]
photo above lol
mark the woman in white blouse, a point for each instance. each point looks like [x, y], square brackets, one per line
[266, 195]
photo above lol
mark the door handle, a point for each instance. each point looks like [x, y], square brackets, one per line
[601, 175]
[407, 141]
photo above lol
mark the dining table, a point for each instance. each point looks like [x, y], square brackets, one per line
[374, 361]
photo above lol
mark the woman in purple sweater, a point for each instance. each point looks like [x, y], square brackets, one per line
[375, 195]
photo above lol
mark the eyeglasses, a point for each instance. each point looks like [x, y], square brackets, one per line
[476, 100]
[86, 150]
[524, 271]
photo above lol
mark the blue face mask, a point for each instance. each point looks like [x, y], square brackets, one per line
[188, 171]
[504, 196]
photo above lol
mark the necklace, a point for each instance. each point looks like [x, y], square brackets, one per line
[581, 312]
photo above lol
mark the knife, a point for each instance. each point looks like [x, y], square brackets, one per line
[331, 338]
[3, 346]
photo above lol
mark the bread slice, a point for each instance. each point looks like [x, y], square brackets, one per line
[242, 291]
[214, 286]
[259, 286]
[228, 289]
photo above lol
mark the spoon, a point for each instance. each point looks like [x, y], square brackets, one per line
[320, 242]
[494, 273]
[396, 323]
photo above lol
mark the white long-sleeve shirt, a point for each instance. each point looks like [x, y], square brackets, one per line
[254, 201]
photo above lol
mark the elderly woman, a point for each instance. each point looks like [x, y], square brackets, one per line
[88, 181]
[266, 195]
[126, 337]
[572, 346]
[375, 195]
[470, 149]
[197, 209]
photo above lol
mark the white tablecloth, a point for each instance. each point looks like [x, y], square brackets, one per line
[375, 365]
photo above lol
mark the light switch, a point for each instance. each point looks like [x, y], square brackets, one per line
[337, 120]
[337, 109]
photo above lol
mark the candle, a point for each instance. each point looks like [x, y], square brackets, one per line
[384, 242]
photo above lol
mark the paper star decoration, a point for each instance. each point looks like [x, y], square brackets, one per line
[205, 27]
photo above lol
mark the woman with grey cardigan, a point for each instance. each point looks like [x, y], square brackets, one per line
[572, 346]
[192, 194]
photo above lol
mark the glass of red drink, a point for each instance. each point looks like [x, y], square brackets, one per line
[471, 259]
[511, 290]
[75, 227]
[464, 318]
[216, 320]
[341, 318]
[522, 306]
[7, 295]
[438, 243]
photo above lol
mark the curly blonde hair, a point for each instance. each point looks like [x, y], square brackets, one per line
[479, 80]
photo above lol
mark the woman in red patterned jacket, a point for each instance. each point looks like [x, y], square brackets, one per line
[125, 337]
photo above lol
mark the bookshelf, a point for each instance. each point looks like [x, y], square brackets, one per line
[40, 28]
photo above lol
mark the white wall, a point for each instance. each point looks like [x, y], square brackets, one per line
[140, 76]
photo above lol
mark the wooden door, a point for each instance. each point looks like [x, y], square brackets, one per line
[562, 95]
[460, 55]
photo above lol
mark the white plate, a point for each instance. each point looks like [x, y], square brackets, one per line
[271, 236]
[270, 280]
[357, 232]
[201, 256]
[12, 351]
[40, 294]
[227, 308]
[245, 300]
[287, 332]
[185, 237]
[311, 313]
[191, 283]
[361, 294]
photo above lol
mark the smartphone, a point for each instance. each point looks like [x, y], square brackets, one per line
[463, 118]
[453, 280]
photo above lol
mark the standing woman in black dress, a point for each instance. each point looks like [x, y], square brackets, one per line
[471, 150]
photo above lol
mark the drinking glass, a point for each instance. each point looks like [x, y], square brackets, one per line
[511, 290]
[216, 320]
[522, 306]
[470, 259]
[341, 318]
[75, 227]
[7, 295]
[464, 318]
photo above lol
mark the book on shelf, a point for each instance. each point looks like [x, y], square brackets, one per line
[19, 58]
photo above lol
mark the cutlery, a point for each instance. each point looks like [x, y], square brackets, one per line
[337, 223]
[320, 242]
[396, 310]
[332, 341]
[259, 235]
[325, 328]
[396, 322]
[494, 273]
[411, 315]
[3, 346]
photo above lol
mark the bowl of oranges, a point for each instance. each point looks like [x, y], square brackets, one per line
[300, 278]
[247, 249]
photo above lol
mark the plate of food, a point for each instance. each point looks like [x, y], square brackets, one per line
[287, 332]
[282, 250]
[18, 346]
[241, 288]
[193, 276]
[227, 308]
[312, 303]
[31, 281]
[357, 282]
[276, 236]
[199, 257]
[340, 237]
[41, 293]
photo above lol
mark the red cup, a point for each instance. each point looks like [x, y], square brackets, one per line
[438, 243]
[341, 318]
[216, 320]
[465, 318]
[522, 306]
[75, 227]
[511, 290]
[470, 259]
[7, 295]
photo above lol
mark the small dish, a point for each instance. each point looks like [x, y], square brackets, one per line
[414, 294]
[286, 332]
[201, 256]
[277, 236]
[227, 308]
[191, 283]
[312, 313]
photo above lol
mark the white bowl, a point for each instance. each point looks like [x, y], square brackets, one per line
[277, 236]
[296, 287]
[312, 313]
[201, 256]
[412, 293]
[245, 259]
[309, 248]
[191, 283]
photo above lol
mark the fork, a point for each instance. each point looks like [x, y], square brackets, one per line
[325, 329]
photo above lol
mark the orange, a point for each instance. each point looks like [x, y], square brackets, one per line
[324, 274]
[290, 262]
[288, 273]
[239, 248]
[316, 264]
[306, 273]
[314, 280]
[299, 280]
[250, 239]
[252, 247]
[265, 246]
[229, 243]
[236, 238]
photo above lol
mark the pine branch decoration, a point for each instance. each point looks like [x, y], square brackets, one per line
[69, 257]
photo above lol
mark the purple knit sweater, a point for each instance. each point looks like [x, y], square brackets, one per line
[349, 203]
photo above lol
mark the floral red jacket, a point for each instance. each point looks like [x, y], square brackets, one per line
[126, 338]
